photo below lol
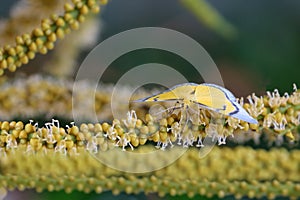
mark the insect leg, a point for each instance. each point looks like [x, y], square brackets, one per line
[176, 106]
[168, 110]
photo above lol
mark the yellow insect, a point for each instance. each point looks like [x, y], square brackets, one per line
[206, 95]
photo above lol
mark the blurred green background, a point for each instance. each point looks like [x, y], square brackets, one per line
[263, 54]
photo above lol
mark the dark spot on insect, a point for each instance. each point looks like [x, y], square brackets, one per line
[155, 99]
[221, 109]
[193, 92]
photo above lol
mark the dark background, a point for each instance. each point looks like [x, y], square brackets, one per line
[265, 54]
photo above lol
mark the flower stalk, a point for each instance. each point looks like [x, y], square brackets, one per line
[43, 38]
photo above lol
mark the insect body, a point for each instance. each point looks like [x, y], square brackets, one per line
[208, 96]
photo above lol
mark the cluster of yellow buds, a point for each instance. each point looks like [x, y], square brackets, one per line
[42, 39]
[278, 116]
[225, 171]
